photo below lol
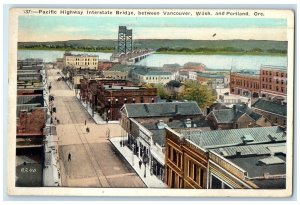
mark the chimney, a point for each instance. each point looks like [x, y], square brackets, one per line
[188, 123]
[161, 125]
[207, 110]
[234, 109]
[176, 109]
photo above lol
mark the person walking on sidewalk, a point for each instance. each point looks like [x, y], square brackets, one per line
[69, 156]
[85, 122]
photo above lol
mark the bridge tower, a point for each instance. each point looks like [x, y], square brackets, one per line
[128, 40]
[122, 39]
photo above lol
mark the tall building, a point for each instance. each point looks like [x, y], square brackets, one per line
[273, 81]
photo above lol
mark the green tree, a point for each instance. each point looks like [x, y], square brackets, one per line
[194, 91]
[161, 91]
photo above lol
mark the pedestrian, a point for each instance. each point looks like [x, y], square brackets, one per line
[140, 164]
[84, 122]
[69, 156]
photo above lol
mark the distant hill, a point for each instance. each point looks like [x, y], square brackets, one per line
[110, 44]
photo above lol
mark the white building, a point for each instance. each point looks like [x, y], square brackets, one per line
[82, 61]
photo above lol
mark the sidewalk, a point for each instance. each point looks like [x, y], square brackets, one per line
[51, 175]
[97, 118]
[151, 181]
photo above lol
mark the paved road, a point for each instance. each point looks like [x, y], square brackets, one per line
[93, 163]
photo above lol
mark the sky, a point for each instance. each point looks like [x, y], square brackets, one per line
[61, 28]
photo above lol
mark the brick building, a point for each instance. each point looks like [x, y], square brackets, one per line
[273, 111]
[200, 159]
[245, 83]
[110, 98]
[89, 86]
[192, 66]
[106, 64]
[273, 81]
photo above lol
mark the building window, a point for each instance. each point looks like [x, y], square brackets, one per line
[201, 177]
[270, 80]
[263, 72]
[282, 75]
[270, 87]
[263, 79]
[266, 72]
[277, 81]
[282, 90]
[277, 74]
[281, 82]
[270, 73]
[169, 152]
[174, 159]
[190, 168]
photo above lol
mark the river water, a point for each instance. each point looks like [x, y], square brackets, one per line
[158, 60]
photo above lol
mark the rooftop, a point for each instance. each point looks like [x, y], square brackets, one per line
[273, 67]
[271, 106]
[30, 99]
[229, 115]
[159, 133]
[208, 75]
[121, 68]
[234, 137]
[161, 109]
[80, 55]
[193, 64]
[142, 70]
[117, 87]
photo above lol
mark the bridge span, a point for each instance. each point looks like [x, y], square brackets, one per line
[131, 57]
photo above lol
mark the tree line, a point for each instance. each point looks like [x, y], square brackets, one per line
[226, 49]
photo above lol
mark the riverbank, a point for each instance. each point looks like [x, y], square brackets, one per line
[168, 52]
[221, 53]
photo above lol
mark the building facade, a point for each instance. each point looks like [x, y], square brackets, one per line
[80, 61]
[273, 81]
[145, 125]
[191, 160]
[245, 84]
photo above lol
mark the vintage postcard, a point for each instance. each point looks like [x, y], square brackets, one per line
[150, 102]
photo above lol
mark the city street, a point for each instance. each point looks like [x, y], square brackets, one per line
[87, 158]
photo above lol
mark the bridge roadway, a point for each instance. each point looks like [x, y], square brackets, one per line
[131, 57]
[93, 160]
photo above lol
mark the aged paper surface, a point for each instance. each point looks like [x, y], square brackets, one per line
[85, 154]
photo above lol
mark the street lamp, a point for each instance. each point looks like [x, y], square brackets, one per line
[145, 161]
